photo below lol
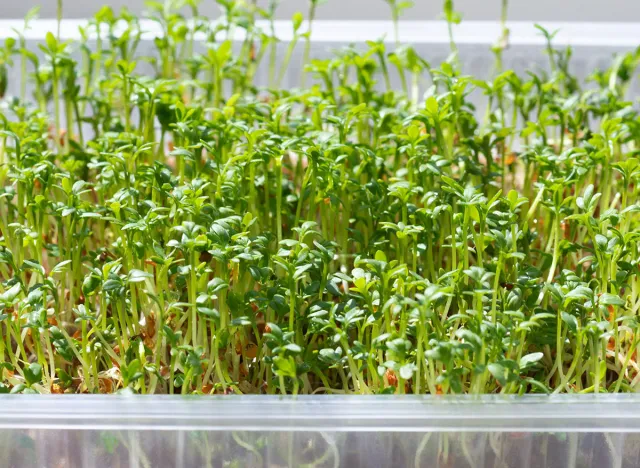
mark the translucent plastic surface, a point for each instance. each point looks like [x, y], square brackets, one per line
[322, 431]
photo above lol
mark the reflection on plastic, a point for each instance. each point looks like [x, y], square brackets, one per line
[322, 431]
[145, 449]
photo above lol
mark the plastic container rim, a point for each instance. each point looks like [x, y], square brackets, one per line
[486, 413]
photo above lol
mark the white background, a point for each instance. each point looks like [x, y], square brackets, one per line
[472, 10]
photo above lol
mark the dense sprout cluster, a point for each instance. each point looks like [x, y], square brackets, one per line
[185, 231]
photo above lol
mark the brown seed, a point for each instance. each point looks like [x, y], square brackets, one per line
[63, 134]
[148, 342]
[106, 385]
[251, 351]
[392, 379]
[151, 326]
[57, 389]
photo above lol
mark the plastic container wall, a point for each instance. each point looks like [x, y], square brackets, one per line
[321, 431]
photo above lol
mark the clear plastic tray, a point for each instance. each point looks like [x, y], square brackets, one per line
[322, 431]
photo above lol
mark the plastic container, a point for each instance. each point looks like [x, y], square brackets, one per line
[321, 431]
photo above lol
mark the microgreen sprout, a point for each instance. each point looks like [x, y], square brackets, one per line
[169, 227]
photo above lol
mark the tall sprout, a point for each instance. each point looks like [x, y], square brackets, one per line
[503, 40]
[396, 11]
[307, 46]
[452, 17]
[59, 17]
[273, 7]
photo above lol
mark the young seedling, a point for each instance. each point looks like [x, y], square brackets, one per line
[397, 8]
